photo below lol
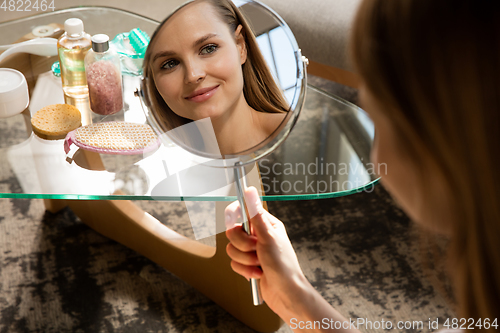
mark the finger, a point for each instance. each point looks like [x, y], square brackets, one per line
[260, 218]
[247, 272]
[245, 258]
[241, 240]
[232, 214]
[254, 205]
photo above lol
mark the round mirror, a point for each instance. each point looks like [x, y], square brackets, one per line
[223, 79]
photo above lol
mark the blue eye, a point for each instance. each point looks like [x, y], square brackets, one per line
[169, 64]
[211, 48]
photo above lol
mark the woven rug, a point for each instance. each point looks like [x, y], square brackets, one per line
[58, 275]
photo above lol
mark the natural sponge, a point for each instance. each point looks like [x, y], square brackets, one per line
[53, 122]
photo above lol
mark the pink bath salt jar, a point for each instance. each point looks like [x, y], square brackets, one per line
[104, 80]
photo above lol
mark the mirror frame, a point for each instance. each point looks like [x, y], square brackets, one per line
[276, 138]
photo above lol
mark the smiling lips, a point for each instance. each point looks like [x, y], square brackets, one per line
[201, 95]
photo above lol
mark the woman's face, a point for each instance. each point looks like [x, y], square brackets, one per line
[397, 173]
[400, 175]
[196, 63]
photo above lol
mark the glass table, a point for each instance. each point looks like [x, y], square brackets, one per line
[326, 155]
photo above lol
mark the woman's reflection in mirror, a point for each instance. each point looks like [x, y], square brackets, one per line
[204, 61]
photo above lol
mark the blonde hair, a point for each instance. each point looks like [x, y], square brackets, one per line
[435, 65]
[259, 88]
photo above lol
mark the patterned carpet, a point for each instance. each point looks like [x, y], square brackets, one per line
[58, 275]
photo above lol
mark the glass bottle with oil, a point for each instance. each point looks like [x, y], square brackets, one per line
[72, 48]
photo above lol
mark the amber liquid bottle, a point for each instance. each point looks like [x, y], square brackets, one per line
[72, 48]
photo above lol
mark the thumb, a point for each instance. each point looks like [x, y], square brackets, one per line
[259, 218]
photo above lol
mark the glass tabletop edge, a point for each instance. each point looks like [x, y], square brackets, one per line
[335, 97]
[286, 197]
[296, 197]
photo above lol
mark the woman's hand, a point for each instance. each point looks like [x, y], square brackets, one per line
[267, 254]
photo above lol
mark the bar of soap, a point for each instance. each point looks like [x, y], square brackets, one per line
[53, 122]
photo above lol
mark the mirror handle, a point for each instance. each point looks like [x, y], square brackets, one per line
[240, 180]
